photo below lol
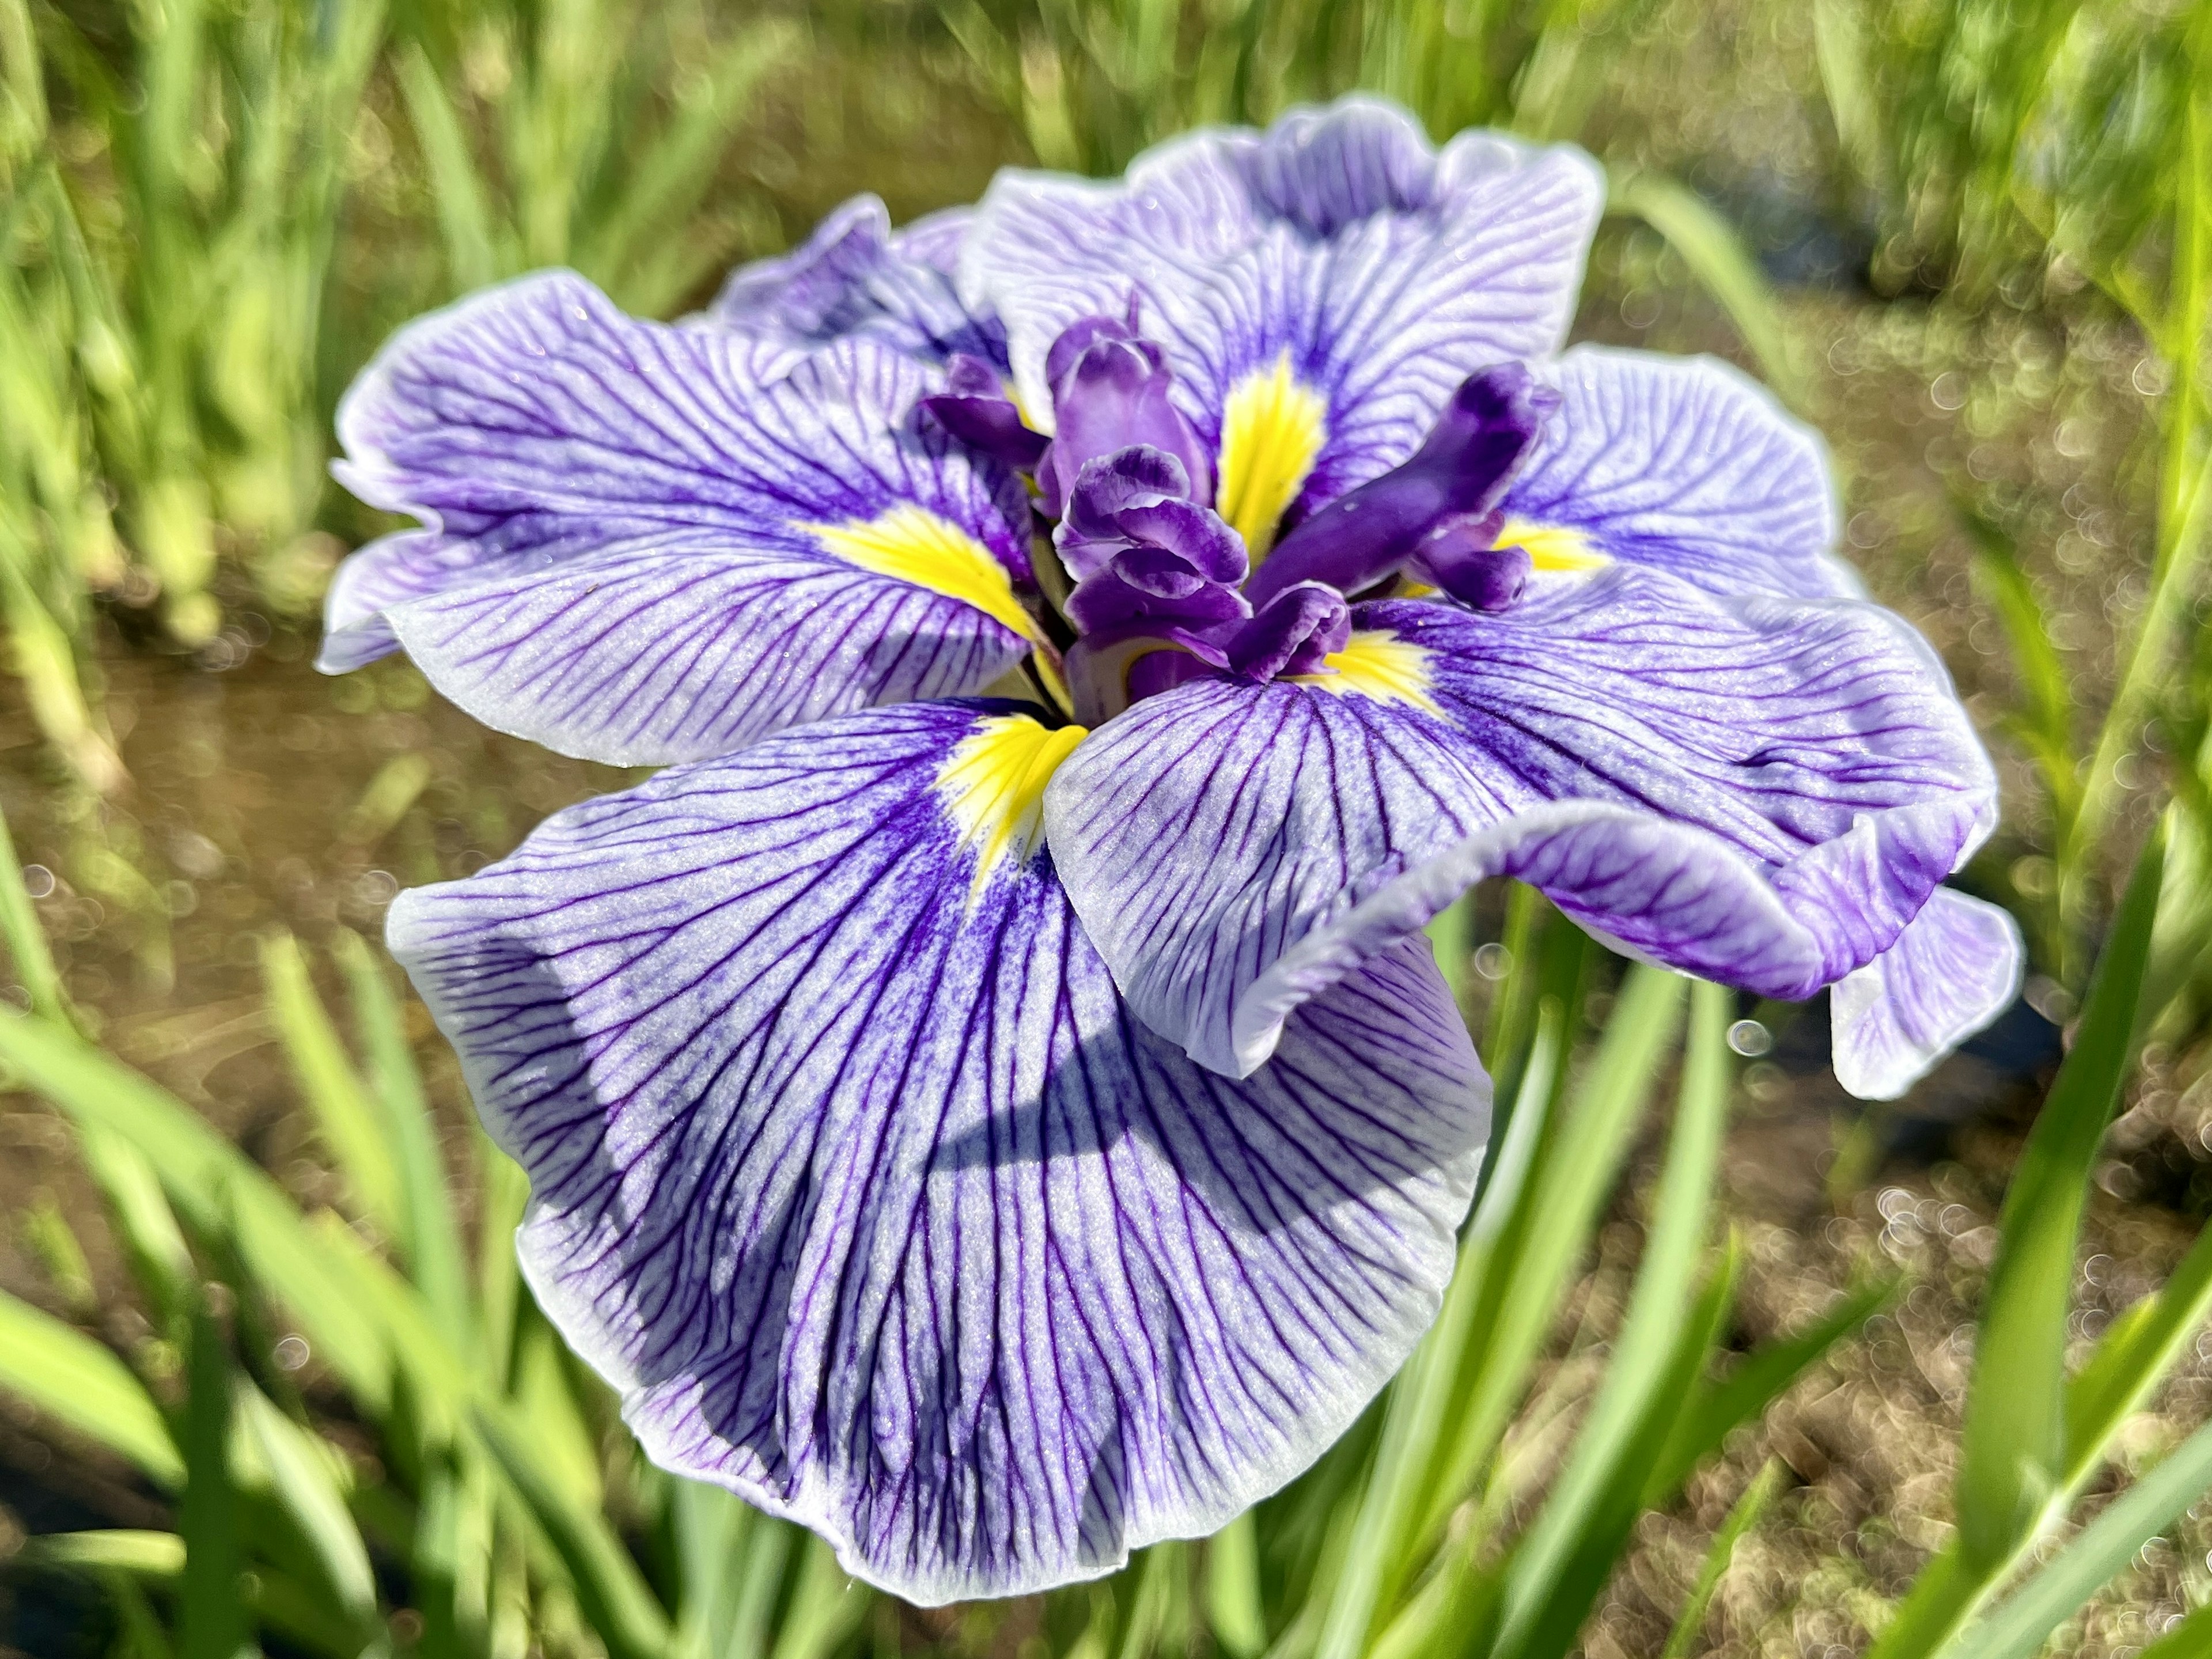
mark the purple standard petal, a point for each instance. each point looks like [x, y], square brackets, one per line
[854, 275]
[975, 409]
[1110, 393]
[1786, 784]
[639, 553]
[1320, 288]
[1458, 475]
[852, 1174]
[1683, 464]
[1955, 967]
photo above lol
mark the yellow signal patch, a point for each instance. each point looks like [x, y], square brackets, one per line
[1272, 430]
[992, 784]
[910, 543]
[1375, 663]
[1551, 546]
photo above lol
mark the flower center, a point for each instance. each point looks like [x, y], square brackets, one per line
[1165, 558]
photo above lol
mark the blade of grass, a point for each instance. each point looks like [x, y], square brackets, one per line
[301, 1477]
[1718, 259]
[2017, 1627]
[1236, 1612]
[1604, 1516]
[350, 1123]
[613, 1596]
[1717, 1410]
[25, 938]
[1374, 1563]
[80, 1382]
[211, 1620]
[2015, 1436]
[1551, 1226]
[1741, 1518]
[428, 1232]
[215, 1189]
[1650, 1331]
[2189, 1639]
[456, 186]
[2012, 1479]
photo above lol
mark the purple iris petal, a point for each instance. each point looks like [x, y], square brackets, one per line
[1805, 768]
[1292, 633]
[853, 1174]
[1956, 966]
[634, 556]
[976, 410]
[1686, 464]
[1460, 472]
[856, 276]
[1459, 556]
[1109, 392]
[1384, 269]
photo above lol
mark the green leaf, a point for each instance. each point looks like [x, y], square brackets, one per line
[1718, 259]
[79, 1382]
[456, 187]
[212, 1617]
[216, 1188]
[2013, 1455]
[1605, 1516]
[2132, 1358]
[24, 939]
[614, 1598]
[1716, 1410]
[301, 1478]
[2189, 1639]
[2018, 1628]
[429, 1236]
[351, 1124]
[826, 1606]
[2044, 726]
[1550, 1227]
[1235, 1610]
[711, 1528]
[1651, 1332]
[1740, 1520]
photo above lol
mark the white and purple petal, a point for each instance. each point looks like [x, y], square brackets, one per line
[1688, 466]
[856, 276]
[1955, 967]
[852, 1171]
[1782, 786]
[635, 539]
[1321, 287]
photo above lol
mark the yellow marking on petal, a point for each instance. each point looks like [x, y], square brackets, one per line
[1375, 663]
[992, 784]
[910, 543]
[1272, 431]
[1551, 546]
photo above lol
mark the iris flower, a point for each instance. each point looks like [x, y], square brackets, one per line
[1001, 1130]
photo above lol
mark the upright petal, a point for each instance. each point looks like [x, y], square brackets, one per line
[1683, 464]
[1782, 786]
[1321, 287]
[856, 276]
[613, 503]
[851, 1171]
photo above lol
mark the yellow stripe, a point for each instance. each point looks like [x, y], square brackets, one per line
[1551, 546]
[1272, 431]
[910, 543]
[1375, 663]
[992, 784]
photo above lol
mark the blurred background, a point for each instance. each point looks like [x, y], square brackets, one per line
[1970, 240]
